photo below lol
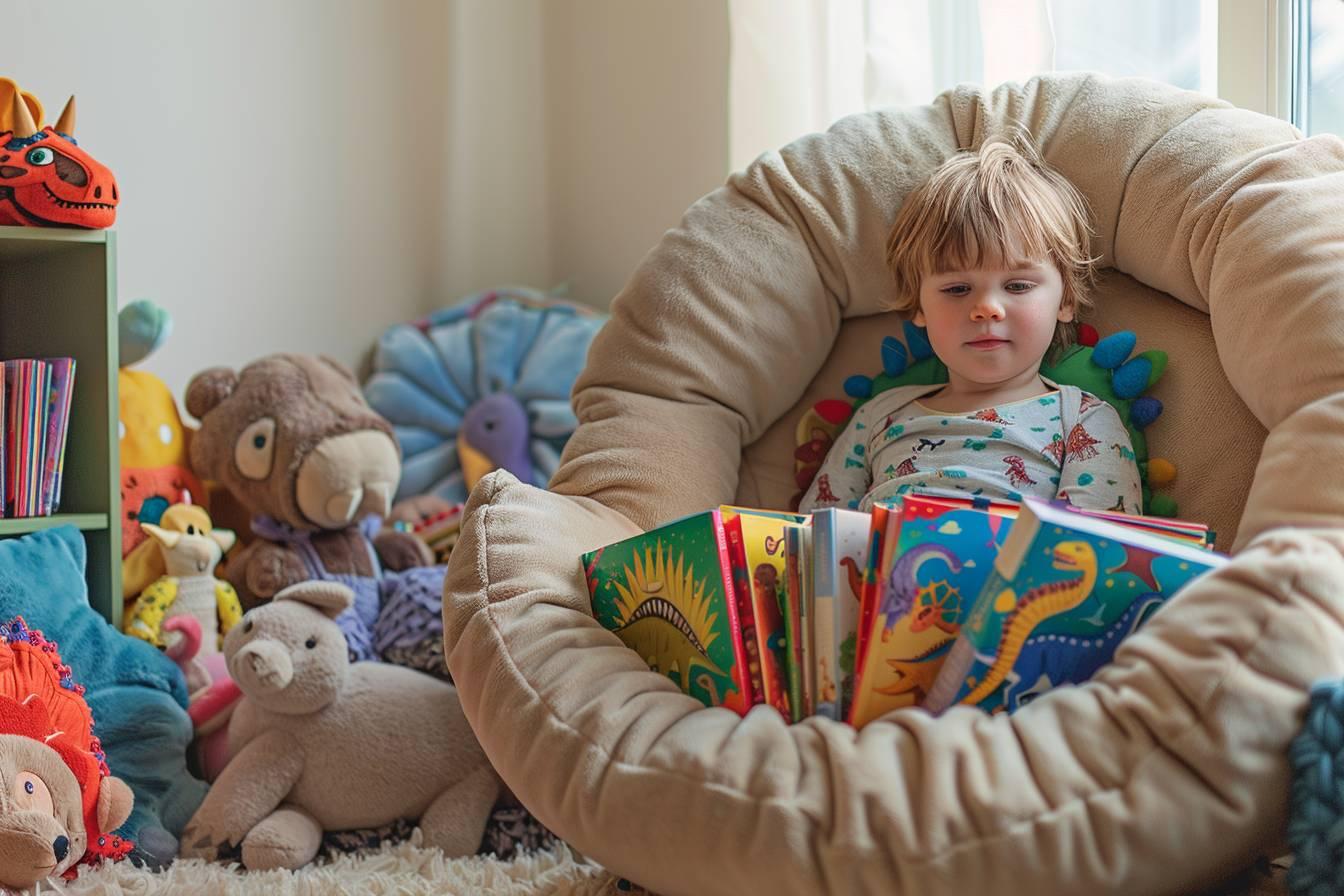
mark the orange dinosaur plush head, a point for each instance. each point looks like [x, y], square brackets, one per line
[46, 180]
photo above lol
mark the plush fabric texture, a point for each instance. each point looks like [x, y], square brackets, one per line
[137, 696]
[1316, 829]
[38, 193]
[481, 385]
[322, 745]
[155, 473]
[298, 446]
[409, 628]
[1166, 773]
[46, 725]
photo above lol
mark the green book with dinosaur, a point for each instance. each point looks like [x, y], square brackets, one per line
[1066, 588]
[668, 595]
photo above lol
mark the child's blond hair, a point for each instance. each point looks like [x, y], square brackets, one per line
[999, 205]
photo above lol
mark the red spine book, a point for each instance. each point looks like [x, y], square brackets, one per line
[746, 616]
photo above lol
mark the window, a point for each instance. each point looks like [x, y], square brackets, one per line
[798, 66]
[1318, 66]
[917, 48]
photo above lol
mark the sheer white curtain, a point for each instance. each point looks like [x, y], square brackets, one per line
[798, 65]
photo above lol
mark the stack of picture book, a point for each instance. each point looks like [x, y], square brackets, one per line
[929, 601]
[35, 415]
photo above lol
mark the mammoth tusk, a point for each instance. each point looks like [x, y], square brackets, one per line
[66, 123]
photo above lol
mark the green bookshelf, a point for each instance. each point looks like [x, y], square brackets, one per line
[58, 298]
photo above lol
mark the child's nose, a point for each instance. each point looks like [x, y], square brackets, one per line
[987, 307]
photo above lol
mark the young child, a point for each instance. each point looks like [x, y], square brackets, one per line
[990, 254]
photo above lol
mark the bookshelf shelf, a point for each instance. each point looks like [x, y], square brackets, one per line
[58, 299]
[88, 522]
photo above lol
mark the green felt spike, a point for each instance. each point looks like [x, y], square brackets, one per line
[1159, 361]
[1162, 505]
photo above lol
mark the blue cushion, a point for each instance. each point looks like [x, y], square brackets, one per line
[137, 695]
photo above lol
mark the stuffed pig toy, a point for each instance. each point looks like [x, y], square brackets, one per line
[320, 744]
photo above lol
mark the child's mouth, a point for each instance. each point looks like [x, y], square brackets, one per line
[987, 343]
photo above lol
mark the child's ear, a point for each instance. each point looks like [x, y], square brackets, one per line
[1065, 314]
[919, 317]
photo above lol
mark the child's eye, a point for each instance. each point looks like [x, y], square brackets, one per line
[1020, 286]
[959, 289]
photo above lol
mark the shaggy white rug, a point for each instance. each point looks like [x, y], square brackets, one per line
[403, 869]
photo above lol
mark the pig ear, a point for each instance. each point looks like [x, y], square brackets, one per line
[329, 598]
[208, 388]
[114, 803]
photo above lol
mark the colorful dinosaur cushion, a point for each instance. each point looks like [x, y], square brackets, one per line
[46, 180]
[479, 386]
[1100, 366]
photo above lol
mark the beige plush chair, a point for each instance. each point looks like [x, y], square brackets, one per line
[1224, 233]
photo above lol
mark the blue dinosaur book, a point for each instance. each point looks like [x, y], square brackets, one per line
[668, 595]
[944, 551]
[1065, 590]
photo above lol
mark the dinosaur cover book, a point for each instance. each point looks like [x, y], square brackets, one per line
[668, 595]
[1066, 588]
[943, 551]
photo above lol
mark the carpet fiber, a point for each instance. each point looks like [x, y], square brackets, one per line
[404, 869]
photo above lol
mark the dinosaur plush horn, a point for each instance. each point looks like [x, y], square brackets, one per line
[24, 126]
[66, 123]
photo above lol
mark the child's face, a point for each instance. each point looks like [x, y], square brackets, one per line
[992, 326]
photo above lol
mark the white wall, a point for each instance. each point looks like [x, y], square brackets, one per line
[494, 214]
[637, 113]
[296, 175]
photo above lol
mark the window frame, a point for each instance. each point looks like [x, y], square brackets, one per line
[1261, 54]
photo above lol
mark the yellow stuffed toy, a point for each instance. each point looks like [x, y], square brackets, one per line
[191, 548]
[155, 473]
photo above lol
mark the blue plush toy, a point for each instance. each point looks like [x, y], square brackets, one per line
[1316, 826]
[482, 385]
[138, 697]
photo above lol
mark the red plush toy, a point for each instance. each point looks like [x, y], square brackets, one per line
[62, 804]
[46, 180]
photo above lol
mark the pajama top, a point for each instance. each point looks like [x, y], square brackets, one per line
[1066, 443]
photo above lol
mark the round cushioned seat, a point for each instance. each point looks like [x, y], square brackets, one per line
[1220, 230]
